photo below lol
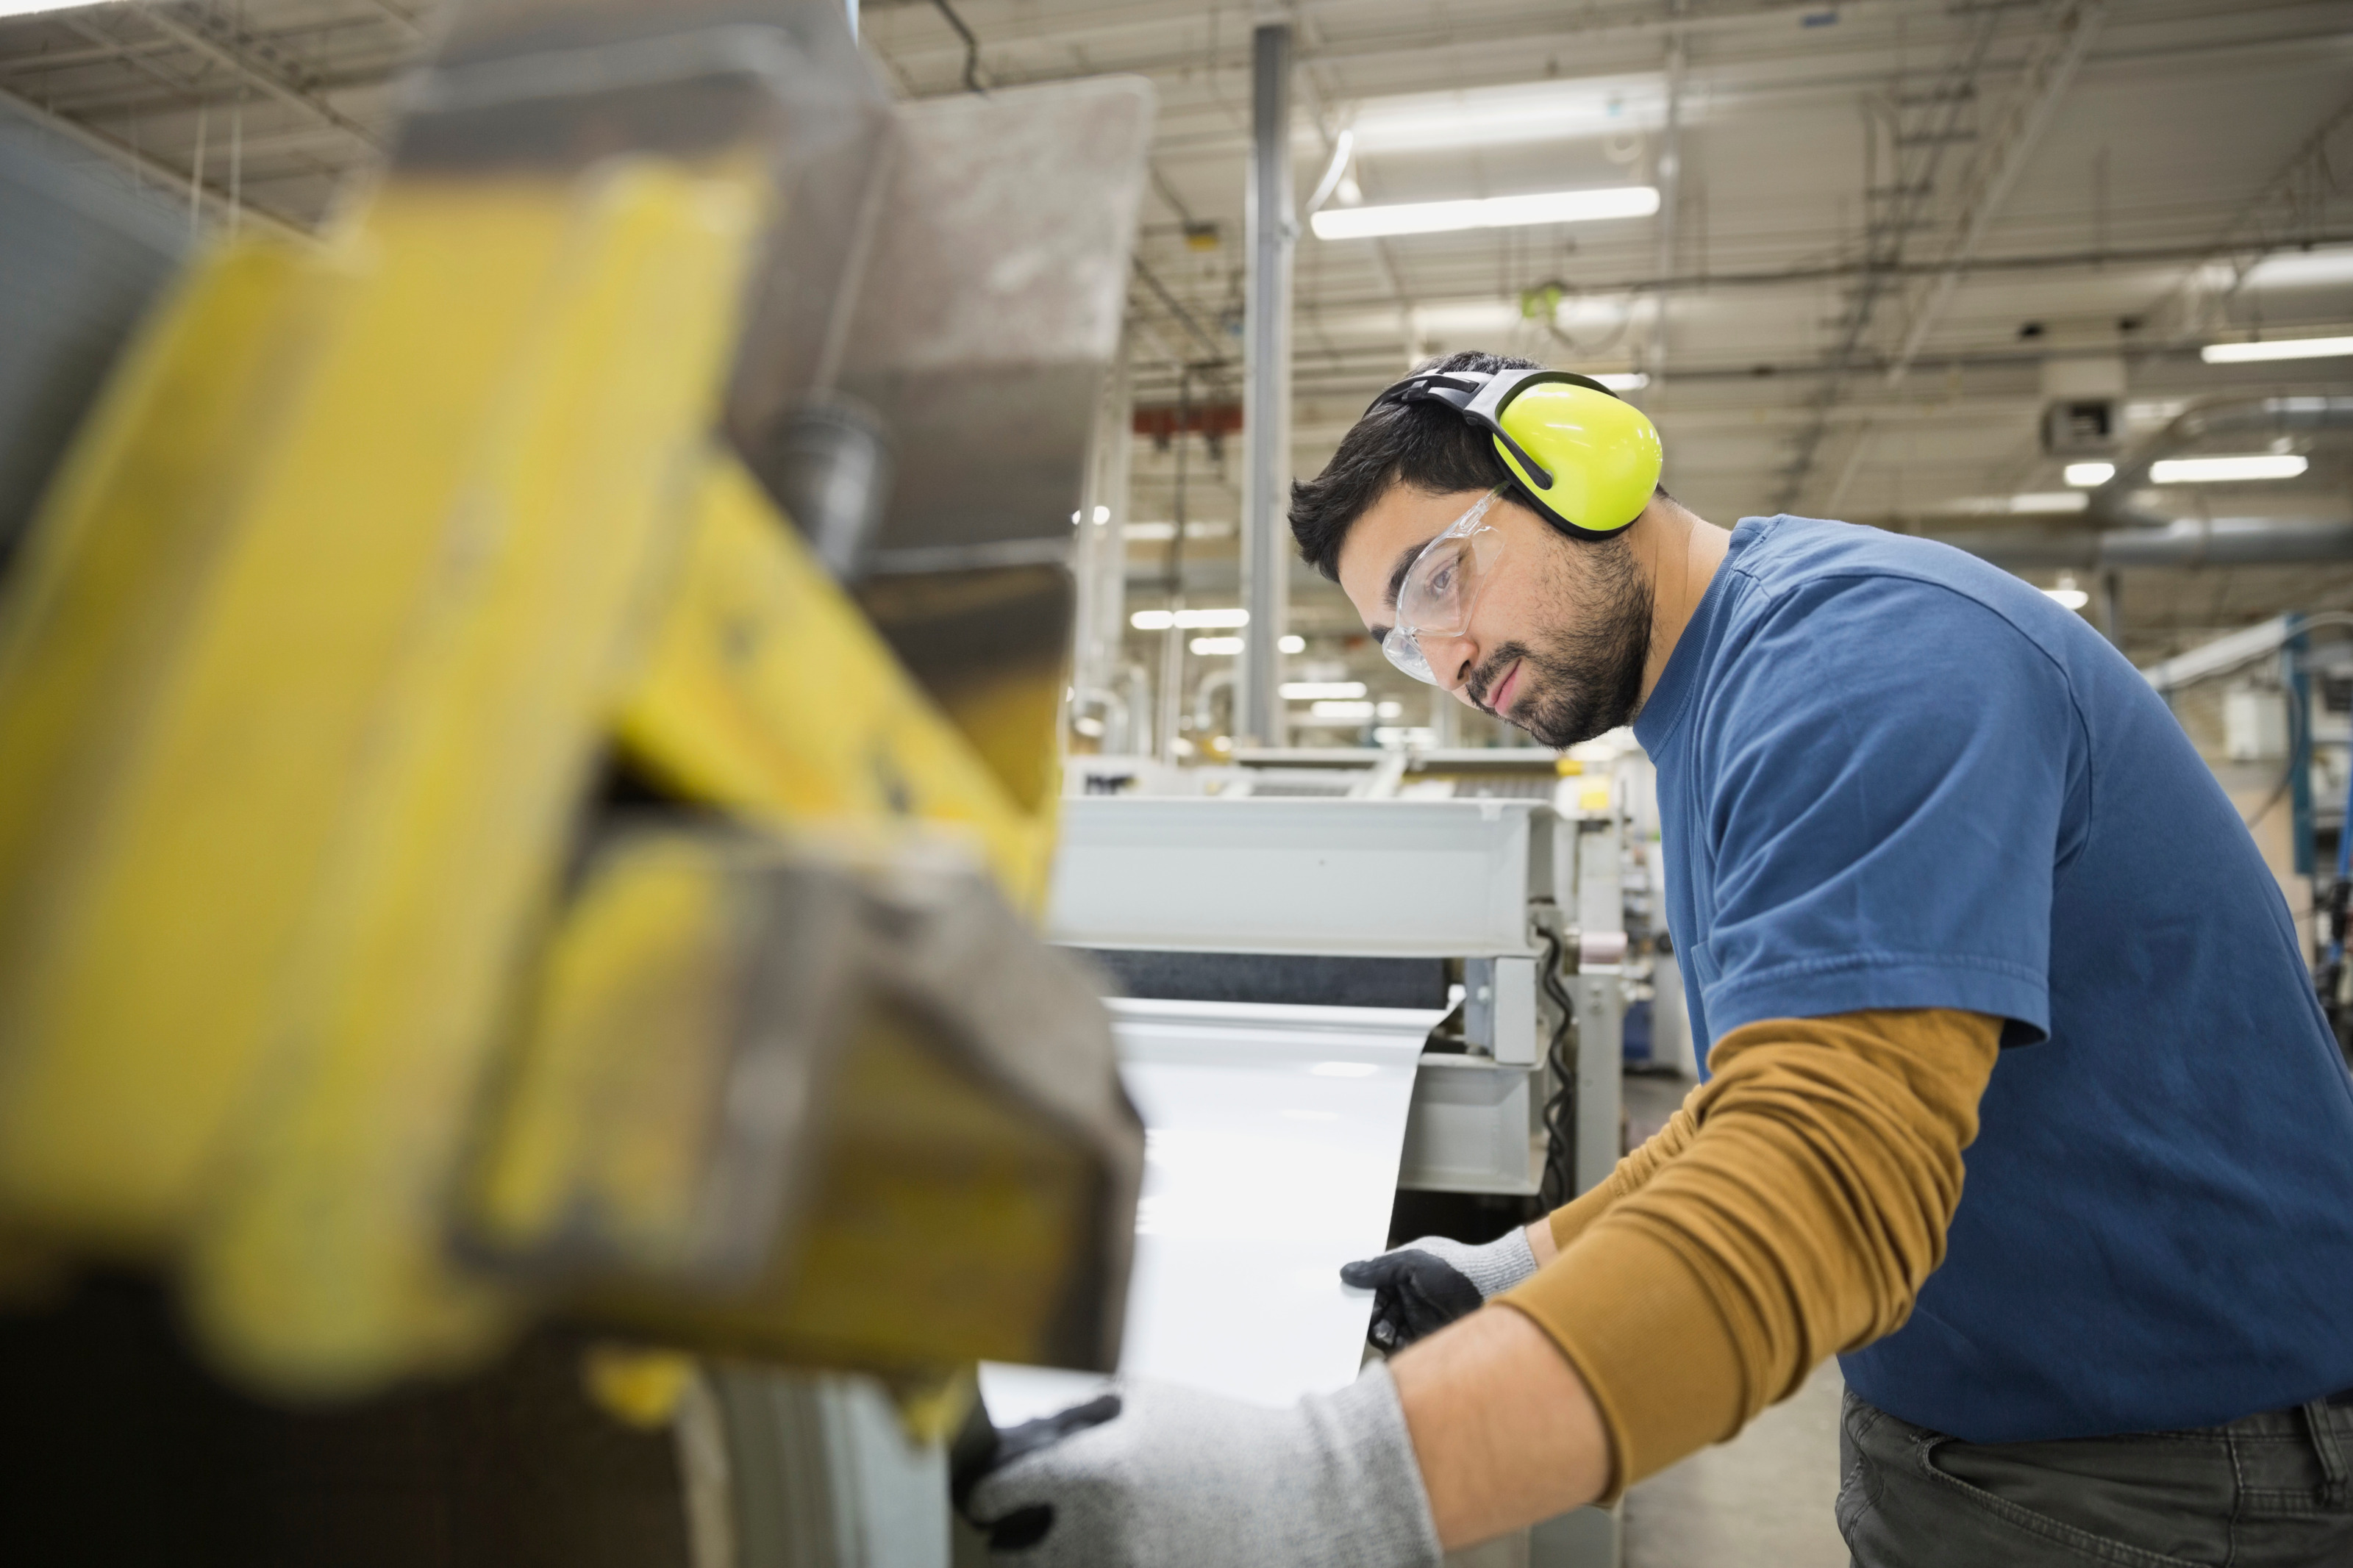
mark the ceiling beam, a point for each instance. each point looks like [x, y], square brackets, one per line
[1889, 226]
[2286, 211]
[251, 61]
[2050, 72]
[1996, 170]
[213, 199]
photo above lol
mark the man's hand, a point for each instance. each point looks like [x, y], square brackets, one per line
[1421, 1286]
[1175, 1479]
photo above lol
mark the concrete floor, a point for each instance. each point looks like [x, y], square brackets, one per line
[1762, 1500]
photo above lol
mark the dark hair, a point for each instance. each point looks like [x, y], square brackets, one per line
[1425, 444]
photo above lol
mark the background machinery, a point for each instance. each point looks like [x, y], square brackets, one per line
[531, 733]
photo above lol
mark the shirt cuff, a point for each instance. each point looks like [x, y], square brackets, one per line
[1636, 1320]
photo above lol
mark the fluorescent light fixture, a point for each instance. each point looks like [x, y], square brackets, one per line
[2034, 503]
[1400, 736]
[2227, 470]
[1583, 317]
[1527, 112]
[2301, 268]
[1293, 643]
[2069, 598]
[1391, 711]
[1156, 533]
[1340, 709]
[1623, 380]
[1311, 690]
[2090, 474]
[2276, 348]
[1487, 211]
[2040, 503]
[1215, 647]
[1160, 533]
[1189, 620]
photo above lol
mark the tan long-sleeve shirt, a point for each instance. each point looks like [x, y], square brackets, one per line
[1789, 1211]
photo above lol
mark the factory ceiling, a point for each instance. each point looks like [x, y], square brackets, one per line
[1891, 233]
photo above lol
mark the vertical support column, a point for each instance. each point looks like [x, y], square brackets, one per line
[1671, 186]
[1266, 390]
[1599, 990]
[2296, 691]
[1099, 562]
[1445, 719]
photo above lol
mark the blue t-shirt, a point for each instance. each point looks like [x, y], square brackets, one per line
[1890, 775]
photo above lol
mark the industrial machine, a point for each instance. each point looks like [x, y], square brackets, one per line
[531, 733]
[1287, 920]
[1501, 912]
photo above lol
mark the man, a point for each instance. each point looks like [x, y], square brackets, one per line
[1944, 875]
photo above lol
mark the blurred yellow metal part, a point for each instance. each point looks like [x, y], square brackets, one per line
[761, 1103]
[637, 1387]
[622, 1066]
[249, 1002]
[766, 691]
[103, 1130]
[463, 857]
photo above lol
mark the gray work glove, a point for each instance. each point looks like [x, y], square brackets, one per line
[1156, 1476]
[1421, 1286]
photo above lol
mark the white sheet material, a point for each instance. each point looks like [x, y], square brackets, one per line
[1273, 1140]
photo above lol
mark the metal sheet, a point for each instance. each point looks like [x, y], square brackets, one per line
[991, 311]
[1271, 1159]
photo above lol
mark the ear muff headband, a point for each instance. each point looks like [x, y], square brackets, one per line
[1579, 456]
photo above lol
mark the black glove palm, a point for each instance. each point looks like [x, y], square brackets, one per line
[1421, 1286]
[1415, 1293]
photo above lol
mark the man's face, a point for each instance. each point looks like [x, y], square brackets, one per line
[1557, 639]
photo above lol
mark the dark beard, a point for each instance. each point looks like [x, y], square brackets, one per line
[1589, 679]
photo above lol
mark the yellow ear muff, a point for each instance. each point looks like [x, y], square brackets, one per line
[1600, 455]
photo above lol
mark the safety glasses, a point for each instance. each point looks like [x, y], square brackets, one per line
[1441, 588]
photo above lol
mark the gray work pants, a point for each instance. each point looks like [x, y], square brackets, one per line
[2262, 1493]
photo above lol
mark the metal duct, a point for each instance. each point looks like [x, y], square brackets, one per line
[2271, 416]
[2187, 541]
[2138, 537]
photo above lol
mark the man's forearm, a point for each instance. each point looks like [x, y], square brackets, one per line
[1811, 1201]
[1502, 1427]
[1508, 1431]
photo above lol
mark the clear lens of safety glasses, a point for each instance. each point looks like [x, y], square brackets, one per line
[1441, 588]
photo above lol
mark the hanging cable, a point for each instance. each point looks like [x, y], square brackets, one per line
[1342, 150]
[971, 47]
[1558, 1183]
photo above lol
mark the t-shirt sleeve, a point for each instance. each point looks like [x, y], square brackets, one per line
[1892, 763]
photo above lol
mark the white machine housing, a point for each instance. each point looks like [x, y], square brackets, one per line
[1479, 880]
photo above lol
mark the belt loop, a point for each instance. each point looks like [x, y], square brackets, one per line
[2336, 1489]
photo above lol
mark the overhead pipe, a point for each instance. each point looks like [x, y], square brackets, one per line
[2182, 542]
[2112, 501]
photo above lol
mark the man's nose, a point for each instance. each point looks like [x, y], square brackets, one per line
[1453, 660]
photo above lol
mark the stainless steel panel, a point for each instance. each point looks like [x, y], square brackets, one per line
[991, 311]
[1437, 878]
[1473, 1128]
